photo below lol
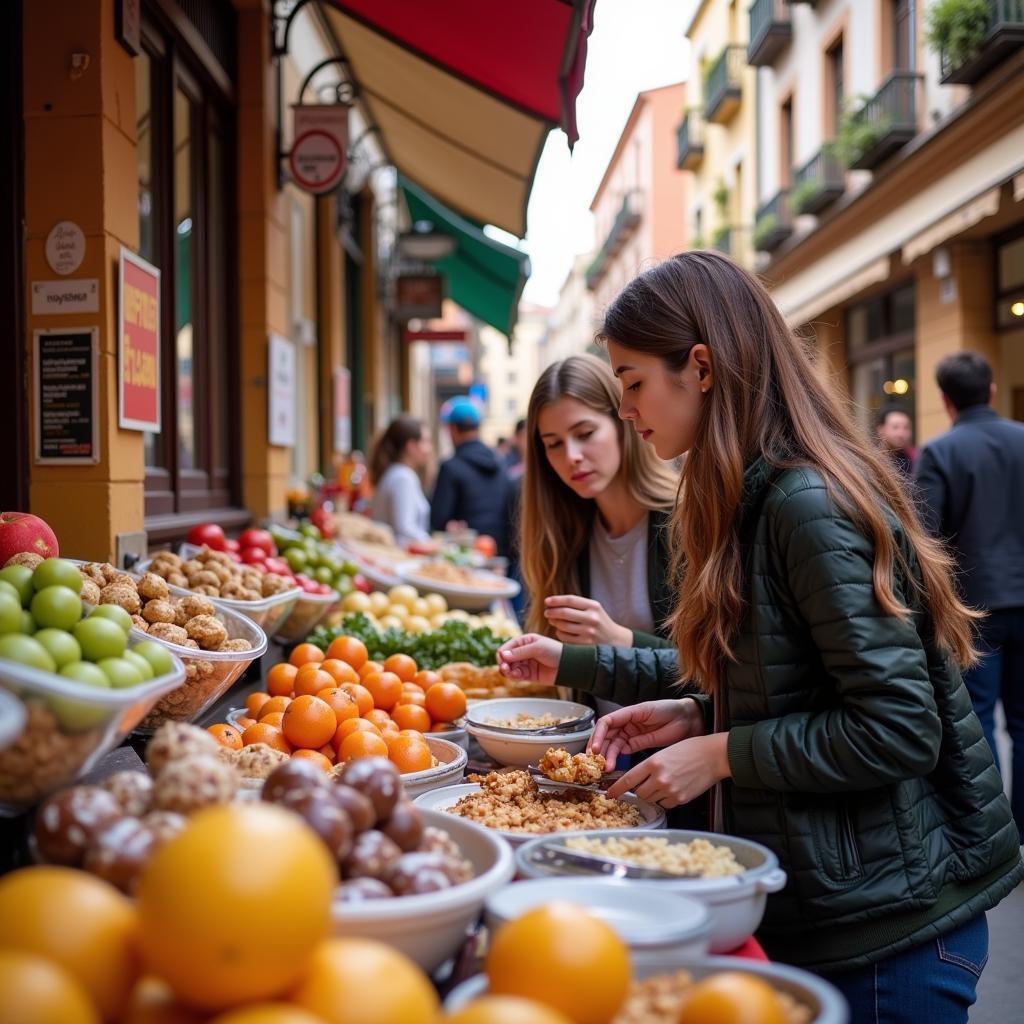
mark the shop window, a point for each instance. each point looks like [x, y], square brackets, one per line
[184, 204]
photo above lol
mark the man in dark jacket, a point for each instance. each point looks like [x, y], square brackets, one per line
[895, 430]
[971, 484]
[472, 486]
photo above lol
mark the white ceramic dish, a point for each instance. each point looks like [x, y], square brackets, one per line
[653, 924]
[432, 927]
[471, 599]
[736, 903]
[524, 748]
[506, 709]
[449, 772]
[824, 1000]
[449, 796]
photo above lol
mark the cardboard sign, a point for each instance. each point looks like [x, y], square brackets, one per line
[67, 386]
[138, 350]
[319, 153]
[281, 383]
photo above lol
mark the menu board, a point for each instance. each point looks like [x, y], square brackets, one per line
[67, 395]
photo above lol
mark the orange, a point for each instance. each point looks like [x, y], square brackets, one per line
[564, 957]
[410, 754]
[358, 981]
[256, 700]
[506, 1010]
[275, 718]
[80, 923]
[385, 688]
[732, 997]
[226, 735]
[381, 719]
[342, 703]
[361, 695]
[349, 650]
[417, 697]
[243, 722]
[362, 744]
[267, 1013]
[328, 751]
[316, 756]
[340, 671]
[445, 702]
[369, 666]
[350, 726]
[443, 727]
[153, 1002]
[312, 679]
[272, 705]
[309, 722]
[410, 716]
[281, 680]
[206, 926]
[426, 678]
[303, 654]
[403, 666]
[262, 733]
[37, 991]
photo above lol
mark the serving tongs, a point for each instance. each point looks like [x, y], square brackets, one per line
[573, 725]
[556, 856]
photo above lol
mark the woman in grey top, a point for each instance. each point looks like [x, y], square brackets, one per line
[398, 458]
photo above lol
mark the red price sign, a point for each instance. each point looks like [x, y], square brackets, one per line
[138, 362]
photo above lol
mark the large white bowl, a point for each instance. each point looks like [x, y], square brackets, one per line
[444, 799]
[471, 599]
[432, 927]
[825, 1001]
[520, 749]
[452, 767]
[736, 902]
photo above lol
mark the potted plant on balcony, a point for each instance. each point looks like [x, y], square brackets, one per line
[957, 29]
[857, 134]
[765, 227]
[801, 195]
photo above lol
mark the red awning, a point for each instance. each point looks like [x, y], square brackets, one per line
[464, 93]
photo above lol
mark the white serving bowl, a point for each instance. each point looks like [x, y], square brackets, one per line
[452, 768]
[653, 924]
[736, 902]
[824, 1000]
[520, 749]
[446, 798]
[492, 587]
[431, 928]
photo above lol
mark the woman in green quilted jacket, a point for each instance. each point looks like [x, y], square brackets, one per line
[821, 638]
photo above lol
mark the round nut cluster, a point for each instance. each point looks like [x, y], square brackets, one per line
[214, 574]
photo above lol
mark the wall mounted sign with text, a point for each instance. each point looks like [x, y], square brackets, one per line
[138, 348]
[81, 295]
[319, 152]
[281, 385]
[65, 247]
[67, 385]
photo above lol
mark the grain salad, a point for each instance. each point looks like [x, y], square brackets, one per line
[698, 857]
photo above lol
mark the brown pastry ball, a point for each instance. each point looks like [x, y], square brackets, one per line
[119, 853]
[416, 873]
[68, 822]
[175, 740]
[359, 890]
[358, 805]
[326, 818]
[377, 778]
[373, 855]
[292, 780]
[194, 782]
[404, 826]
[164, 825]
[132, 790]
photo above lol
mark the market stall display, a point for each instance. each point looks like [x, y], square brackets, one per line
[470, 589]
[510, 739]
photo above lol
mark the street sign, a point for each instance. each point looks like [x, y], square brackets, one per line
[418, 296]
[318, 155]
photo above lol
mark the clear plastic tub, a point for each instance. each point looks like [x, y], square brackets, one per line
[68, 727]
[208, 674]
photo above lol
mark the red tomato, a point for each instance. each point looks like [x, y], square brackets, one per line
[486, 546]
[232, 545]
[253, 538]
[254, 556]
[209, 534]
[278, 565]
[360, 582]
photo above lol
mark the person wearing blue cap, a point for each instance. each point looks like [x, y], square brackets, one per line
[472, 486]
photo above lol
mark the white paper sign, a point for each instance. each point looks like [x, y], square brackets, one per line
[342, 410]
[65, 247]
[319, 153]
[281, 372]
[79, 296]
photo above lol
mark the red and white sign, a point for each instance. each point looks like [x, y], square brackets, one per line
[342, 410]
[318, 155]
[138, 350]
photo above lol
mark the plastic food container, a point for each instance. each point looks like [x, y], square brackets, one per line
[431, 928]
[654, 925]
[824, 1000]
[736, 903]
[208, 674]
[68, 726]
[307, 613]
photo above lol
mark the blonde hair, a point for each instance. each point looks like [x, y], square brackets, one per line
[555, 522]
[768, 400]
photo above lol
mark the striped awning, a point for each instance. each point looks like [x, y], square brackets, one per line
[464, 93]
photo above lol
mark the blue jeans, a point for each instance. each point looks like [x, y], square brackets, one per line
[934, 983]
[999, 675]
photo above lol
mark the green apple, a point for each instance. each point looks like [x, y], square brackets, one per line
[27, 650]
[144, 667]
[75, 715]
[63, 647]
[19, 577]
[159, 657]
[10, 612]
[322, 574]
[28, 624]
[115, 613]
[100, 638]
[56, 607]
[121, 672]
[296, 559]
[57, 572]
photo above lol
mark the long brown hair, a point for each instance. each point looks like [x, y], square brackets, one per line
[388, 448]
[556, 522]
[768, 399]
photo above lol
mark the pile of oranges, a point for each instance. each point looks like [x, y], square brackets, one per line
[330, 708]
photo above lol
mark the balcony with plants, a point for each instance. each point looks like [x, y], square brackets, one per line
[627, 220]
[773, 223]
[771, 31]
[877, 126]
[972, 36]
[817, 183]
[690, 141]
[723, 85]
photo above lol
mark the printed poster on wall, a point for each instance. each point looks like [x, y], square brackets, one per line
[67, 385]
[138, 349]
[281, 373]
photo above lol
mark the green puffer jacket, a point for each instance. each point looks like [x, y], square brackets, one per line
[855, 753]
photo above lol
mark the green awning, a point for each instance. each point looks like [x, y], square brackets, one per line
[485, 277]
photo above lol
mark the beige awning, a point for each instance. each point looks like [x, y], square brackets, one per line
[873, 273]
[985, 205]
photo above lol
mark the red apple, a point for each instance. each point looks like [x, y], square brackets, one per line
[209, 534]
[253, 538]
[232, 545]
[20, 531]
[253, 556]
[279, 566]
[361, 583]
